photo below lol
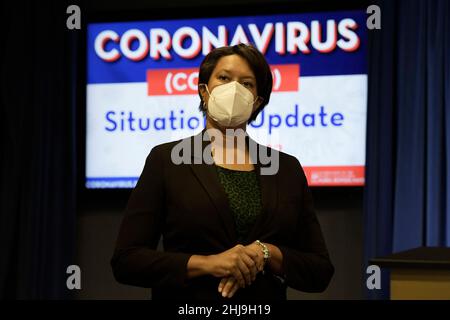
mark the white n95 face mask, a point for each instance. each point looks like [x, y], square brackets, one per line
[230, 104]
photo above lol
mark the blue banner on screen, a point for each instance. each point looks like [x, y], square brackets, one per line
[142, 91]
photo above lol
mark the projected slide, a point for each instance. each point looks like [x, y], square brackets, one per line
[142, 91]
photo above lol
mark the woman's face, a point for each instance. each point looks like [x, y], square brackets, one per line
[232, 68]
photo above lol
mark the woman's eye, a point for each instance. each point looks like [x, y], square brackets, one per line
[248, 84]
[223, 78]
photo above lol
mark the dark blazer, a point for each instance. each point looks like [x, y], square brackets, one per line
[188, 207]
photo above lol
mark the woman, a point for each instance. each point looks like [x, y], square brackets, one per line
[228, 229]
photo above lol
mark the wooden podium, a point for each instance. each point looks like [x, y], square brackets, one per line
[422, 273]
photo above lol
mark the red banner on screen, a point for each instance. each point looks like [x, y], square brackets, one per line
[178, 81]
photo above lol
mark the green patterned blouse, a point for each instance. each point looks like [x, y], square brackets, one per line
[244, 197]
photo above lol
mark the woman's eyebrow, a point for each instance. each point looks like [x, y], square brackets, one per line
[230, 72]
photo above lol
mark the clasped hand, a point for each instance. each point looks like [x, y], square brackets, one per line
[237, 267]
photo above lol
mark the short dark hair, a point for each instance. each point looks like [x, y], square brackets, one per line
[255, 60]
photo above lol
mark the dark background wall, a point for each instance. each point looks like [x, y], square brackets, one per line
[99, 214]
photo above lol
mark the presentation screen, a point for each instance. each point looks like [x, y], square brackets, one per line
[142, 81]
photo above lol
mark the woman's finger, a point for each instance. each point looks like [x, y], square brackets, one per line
[233, 290]
[251, 264]
[245, 271]
[222, 284]
[237, 275]
[229, 284]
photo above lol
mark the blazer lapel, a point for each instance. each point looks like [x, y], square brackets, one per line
[207, 175]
